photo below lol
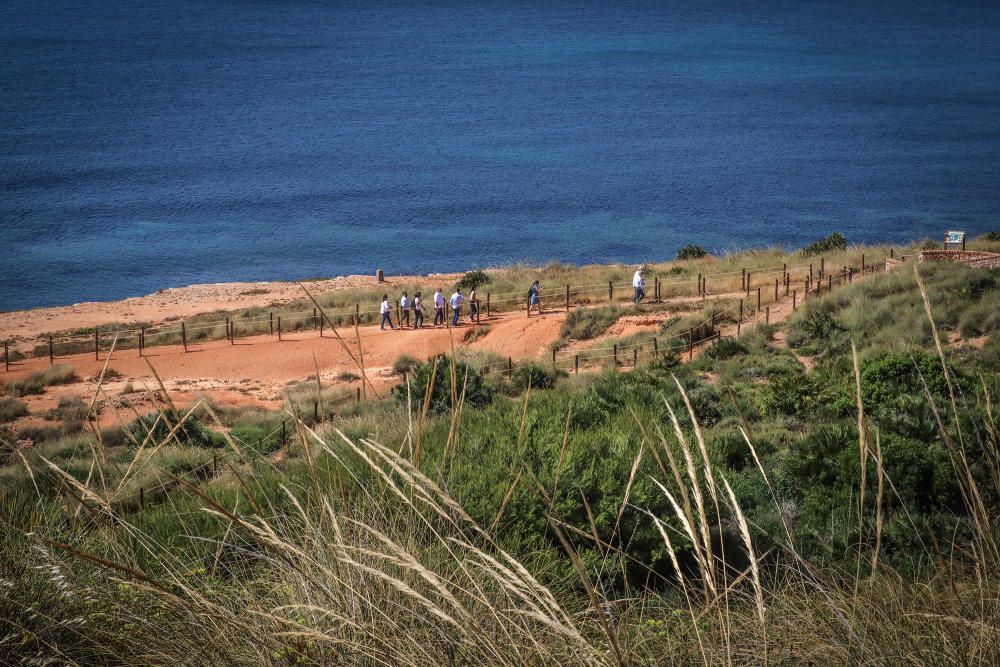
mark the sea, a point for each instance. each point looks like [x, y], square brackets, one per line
[161, 143]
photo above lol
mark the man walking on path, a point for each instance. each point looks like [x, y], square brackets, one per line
[386, 313]
[639, 285]
[456, 306]
[418, 311]
[473, 305]
[438, 307]
[404, 310]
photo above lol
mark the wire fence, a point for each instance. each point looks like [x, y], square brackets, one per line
[746, 311]
[278, 324]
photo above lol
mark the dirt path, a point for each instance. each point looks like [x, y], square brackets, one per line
[257, 369]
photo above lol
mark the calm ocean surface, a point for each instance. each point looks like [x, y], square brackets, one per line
[169, 142]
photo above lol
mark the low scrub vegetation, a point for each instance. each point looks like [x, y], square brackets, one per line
[11, 409]
[587, 323]
[737, 509]
[37, 382]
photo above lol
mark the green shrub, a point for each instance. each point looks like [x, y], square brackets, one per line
[404, 363]
[192, 433]
[473, 279]
[538, 376]
[725, 348]
[789, 394]
[478, 392]
[831, 243]
[11, 408]
[691, 251]
[992, 236]
[587, 323]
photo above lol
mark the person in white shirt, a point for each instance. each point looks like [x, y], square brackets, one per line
[386, 313]
[456, 306]
[438, 307]
[404, 310]
[418, 311]
[639, 285]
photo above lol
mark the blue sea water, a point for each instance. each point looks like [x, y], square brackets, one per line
[168, 142]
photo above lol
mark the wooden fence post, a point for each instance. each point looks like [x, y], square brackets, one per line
[822, 267]
[510, 367]
[758, 300]
[567, 298]
[279, 328]
[743, 280]
[270, 323]
[704, 286]
[321, 327]
[775, 289]
[97, 344]
[697, 287]
[576, 364]
[784, 271]
[487, 305]
[357, 394]
[142, 339]
[810, 273]
[795, 295]
[862, 262]
[611, 292]
[656, 350]
[184, 336]
[767, 315]
[741, 311]
[830, 282]
[142, 497]
[553, 359]
[615, 352]
[357, 314]
[748, 283]
[892, 253]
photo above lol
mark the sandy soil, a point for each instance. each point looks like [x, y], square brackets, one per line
[178, 302]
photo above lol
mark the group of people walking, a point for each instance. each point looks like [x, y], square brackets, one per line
[413, 309]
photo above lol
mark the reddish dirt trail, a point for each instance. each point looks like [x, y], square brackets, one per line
[256, 369]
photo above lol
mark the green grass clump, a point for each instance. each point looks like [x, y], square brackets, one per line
[587, 323]
[404, 363]
[11, 408]
[38, 381]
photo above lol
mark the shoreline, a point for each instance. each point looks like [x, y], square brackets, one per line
[178, 302]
